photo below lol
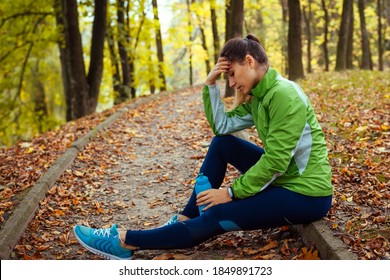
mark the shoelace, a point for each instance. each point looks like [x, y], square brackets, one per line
[102, 231]
[172, 221]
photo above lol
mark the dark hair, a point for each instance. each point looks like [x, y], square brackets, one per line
[237, 48]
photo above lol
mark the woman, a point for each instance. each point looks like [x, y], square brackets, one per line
[286, 182]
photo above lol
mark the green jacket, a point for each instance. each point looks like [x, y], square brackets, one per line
[295, 156]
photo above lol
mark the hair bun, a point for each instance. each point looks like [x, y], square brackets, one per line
[252, 37]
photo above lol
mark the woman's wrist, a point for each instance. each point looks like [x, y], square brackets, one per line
[209, 83]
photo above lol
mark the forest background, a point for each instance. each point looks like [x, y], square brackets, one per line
[63, 59]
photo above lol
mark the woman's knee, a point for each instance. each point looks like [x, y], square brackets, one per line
[222, 142]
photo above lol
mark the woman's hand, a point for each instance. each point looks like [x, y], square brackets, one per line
[222, 66]
[213, 197]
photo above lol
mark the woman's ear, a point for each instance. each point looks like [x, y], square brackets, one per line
[250, 60]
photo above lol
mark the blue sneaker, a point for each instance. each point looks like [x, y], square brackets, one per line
[103, 241]
[173, 220]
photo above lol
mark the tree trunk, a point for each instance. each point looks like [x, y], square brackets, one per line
[295, 41]
[284, 43]
[116, 78]
[214, 26]
[234, 18]
[151, 68]
[326, 34]
[350, 41]
[60, 21]
[234, 27]
[386, 37]
[124, 88]
[39, 94]
[189, 42]
[160, 53]
[380, 38]
[307, 18]
[81, 91]
[95, 71]
[341, 59]
[366, 62]
[71, 54]
[133, 90]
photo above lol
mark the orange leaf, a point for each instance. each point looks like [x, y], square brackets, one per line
[380, 219]
[285, 249]
[43, 247]
[250, 251]
[58, 212]
[75, 201]
[308, 255]
[65, 238]
[284, 228]
[272, 244]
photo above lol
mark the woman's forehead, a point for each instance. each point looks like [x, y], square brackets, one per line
[234, 65]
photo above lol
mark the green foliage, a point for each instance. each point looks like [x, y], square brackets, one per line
[145, 54]
[28, 57]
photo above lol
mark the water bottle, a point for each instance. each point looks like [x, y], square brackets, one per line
[201, 184]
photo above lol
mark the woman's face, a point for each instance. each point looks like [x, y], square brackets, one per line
[242, 76]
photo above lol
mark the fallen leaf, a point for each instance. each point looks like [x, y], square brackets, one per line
[308, 254]
[43, 247]
[272, 244]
